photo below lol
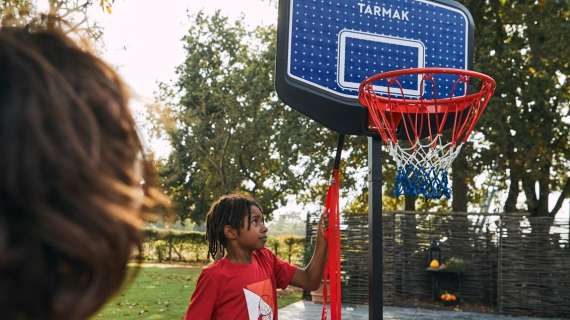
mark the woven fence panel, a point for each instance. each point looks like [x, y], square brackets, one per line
[412, 282]
[460, 237]
[354, 259]
[534, 267]
[469, 238]
[517, 264]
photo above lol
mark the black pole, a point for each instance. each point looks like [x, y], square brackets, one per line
[340, 144]
[375, 253]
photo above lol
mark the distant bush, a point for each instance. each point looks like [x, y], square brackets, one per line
[274, 244]
[191, 246]
[174, 245]
[289, 248]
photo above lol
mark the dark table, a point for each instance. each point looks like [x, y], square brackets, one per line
[445, 280]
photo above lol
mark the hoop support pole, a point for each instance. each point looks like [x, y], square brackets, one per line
[339, 147]
[375, 246]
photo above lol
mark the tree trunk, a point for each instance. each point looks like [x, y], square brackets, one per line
[459, 183]
[563, 195]
[544, 190]
[410, 203]
[514, 190]
[531, 197]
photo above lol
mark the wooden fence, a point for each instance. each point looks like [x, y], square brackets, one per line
[513, 263]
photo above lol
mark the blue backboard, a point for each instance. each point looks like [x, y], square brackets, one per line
[327, 47]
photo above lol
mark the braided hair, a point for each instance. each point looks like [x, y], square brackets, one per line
[227, 210]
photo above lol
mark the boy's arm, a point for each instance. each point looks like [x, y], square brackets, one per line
[311, 276]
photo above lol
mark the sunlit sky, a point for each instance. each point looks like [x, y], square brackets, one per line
[142, 40]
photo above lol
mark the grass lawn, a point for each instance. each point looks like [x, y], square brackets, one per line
[162, 292]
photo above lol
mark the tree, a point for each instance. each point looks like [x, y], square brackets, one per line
[524, 46]
[524, 134]
[74, 12]
[228, 130]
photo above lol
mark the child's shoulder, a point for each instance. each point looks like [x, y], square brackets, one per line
[264, 254]
[218, 270]
[213, 268]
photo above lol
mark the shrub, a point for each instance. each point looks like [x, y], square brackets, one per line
[166, 245]
[191, 246]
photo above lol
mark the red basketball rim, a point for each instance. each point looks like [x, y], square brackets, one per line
[428, 105]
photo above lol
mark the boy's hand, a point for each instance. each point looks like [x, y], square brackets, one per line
[310, 277]
[323, 225]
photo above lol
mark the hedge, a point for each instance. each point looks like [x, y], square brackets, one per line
[191, 246]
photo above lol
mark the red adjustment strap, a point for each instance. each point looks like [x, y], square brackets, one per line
[332, 268]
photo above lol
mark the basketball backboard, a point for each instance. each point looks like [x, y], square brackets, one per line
[326, 48]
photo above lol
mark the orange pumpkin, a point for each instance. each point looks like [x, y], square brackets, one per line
[434, 264]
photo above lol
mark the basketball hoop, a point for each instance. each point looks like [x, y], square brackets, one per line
[424, 129]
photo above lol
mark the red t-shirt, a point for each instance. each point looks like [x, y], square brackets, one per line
[226, 290]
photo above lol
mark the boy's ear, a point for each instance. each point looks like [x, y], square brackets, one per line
[230, 233]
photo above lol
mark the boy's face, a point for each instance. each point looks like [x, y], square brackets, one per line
[255, 236]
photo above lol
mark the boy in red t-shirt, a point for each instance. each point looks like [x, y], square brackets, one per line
[242, 285]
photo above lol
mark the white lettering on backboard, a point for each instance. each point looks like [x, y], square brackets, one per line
[383, 12]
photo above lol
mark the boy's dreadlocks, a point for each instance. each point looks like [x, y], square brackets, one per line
[227, 210]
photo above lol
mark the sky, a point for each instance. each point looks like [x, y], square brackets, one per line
[142, 40]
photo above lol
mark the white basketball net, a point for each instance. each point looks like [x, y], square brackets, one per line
[422, 168]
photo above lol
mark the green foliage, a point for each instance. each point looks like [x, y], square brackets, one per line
[229, 132]
[293, 246]
[359, 205]
[274, 244]
[289, 248]
[524, 133]
[524, 46]
[455, 264]
[227, 128]
[160, 248]
[170, 245]
[191, 246]
[15, 12]
[74, 12]
[308, 249]
[175, 235]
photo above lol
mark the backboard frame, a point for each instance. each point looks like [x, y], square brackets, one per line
[338, 112]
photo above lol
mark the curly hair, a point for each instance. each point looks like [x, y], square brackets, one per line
[227, 210]
[74, 186]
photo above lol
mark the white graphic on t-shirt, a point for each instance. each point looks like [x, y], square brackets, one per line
[257, 308]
